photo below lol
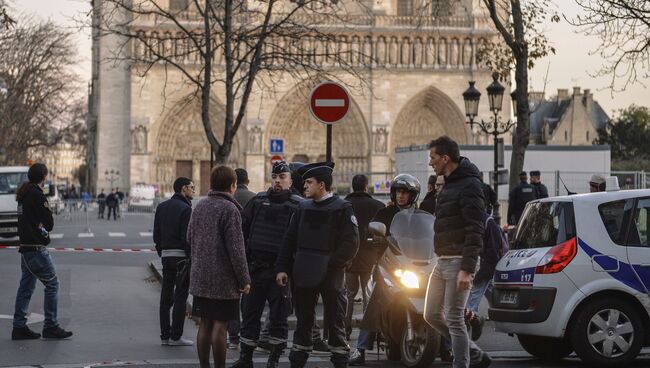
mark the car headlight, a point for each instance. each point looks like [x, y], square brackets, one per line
[408, 278]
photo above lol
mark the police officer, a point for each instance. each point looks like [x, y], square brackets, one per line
[519, 196]
[536, 182]
[321, 241]
[264, 221]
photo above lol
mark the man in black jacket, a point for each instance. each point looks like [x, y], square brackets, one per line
[365, 207]
[429, 202]
[458, 241]
[536, 182]
[35, 221]
[519, 196]
[112, 202]
[321, 241]
[170, 236]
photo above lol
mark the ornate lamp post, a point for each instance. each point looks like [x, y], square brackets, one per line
[112, 176]
[494, 126]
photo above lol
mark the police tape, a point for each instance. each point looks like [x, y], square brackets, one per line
[102, 250]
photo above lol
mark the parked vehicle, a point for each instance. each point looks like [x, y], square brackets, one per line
[142, 197]
[11, 178]
[577, 278]
[396, 305]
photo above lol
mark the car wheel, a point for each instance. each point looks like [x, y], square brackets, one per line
[608, 333]
[548, 349]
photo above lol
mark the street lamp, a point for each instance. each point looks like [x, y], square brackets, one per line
[112, 176]
[494, 127]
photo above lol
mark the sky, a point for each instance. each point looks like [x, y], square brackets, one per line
[573, 64]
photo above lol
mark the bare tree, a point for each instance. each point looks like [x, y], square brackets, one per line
[623, 27]
[40, 105]
[519, 27]
[6, 21]
[231, 43]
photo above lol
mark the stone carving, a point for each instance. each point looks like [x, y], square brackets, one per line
[381, 140]
[255, 139]
[383, 50]
[139, 139]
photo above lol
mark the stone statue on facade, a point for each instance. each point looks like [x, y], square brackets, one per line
[139, 136]
[255, 139]
[381, 140]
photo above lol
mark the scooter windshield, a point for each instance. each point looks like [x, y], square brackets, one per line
[412, 229]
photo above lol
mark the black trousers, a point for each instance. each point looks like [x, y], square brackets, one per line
[173, 296]
[101, 210]
[354, 282]
[334, 303]
[264, 288]
[112, 209]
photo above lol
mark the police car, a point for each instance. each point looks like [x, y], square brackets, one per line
[577, 278]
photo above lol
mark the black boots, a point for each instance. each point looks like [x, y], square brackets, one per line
[24, 334]
[245, 357]
[274, 356]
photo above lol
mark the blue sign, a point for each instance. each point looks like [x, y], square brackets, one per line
[277, 145]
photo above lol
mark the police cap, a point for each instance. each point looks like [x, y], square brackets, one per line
[318, 170]
[280, 167]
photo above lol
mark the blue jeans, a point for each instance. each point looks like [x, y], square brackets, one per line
[37, 265]
[444, 310]
[366, 340]
[477, 292]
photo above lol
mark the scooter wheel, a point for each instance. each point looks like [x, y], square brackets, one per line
[423, 349]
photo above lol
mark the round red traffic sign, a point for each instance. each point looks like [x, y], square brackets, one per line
[329, 102]
[276, 158]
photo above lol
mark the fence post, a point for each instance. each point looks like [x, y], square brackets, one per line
[557, 183]
[87, 221]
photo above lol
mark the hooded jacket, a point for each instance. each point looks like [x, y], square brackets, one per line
[33, 210]
[459, 223]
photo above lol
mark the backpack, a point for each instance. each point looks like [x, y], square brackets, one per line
[505, 246]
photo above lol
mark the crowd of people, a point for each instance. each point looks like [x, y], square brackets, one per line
[297, 242]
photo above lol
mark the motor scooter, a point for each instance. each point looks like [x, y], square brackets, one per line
[399, 284]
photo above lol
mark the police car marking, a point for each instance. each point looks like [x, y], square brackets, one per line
[626, 273]
[520, 276]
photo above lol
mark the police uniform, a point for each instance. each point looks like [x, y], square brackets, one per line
[519, 196]
[264, 221]
[321, 241]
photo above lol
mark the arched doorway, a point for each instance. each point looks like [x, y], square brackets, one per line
[305, 139]
[182, 149]
[429, 114]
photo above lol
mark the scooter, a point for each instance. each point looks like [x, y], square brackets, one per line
[396, 305]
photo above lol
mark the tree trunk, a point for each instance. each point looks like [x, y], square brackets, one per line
[522, 132]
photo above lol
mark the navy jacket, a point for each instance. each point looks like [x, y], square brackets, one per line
[170, 224]
[34, 209]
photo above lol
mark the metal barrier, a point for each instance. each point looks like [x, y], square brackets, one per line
[87, 212]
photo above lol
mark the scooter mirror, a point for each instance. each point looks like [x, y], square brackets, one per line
[377, 228]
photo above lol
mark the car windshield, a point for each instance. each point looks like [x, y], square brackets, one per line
[413, 231]
[9, 182]
[545, 224]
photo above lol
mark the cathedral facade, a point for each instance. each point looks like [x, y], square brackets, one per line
[149, 131]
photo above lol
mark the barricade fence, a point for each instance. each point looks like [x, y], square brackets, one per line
[85, 211]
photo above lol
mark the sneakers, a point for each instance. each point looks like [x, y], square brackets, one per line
[358, 357]
[321, 348]
[24, 334]
[483, 361]
[181, 342]
[233, 346]
[164, 342]
[56, 333]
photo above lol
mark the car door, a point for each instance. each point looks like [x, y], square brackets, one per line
[638, 244]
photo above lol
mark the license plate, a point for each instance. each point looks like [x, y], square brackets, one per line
[8, 229]
[509, 297]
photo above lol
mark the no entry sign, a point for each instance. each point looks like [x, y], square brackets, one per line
[276, 158]
[329, 102]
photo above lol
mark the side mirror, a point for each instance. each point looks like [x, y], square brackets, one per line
[377, 228]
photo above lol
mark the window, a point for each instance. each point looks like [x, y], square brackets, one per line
[440, 8]
[616, 216]
[545, 224]
[587, 136]
[566, 136]
[9, 182]
[638, 234]
[178, 5]
[404, 7]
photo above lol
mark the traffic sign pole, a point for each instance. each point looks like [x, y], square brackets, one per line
[329, 103]
[328, 153]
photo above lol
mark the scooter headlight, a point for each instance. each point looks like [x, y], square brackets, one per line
[408, 278]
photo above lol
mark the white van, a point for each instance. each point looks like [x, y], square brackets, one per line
[577, 278]
[11, 177]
